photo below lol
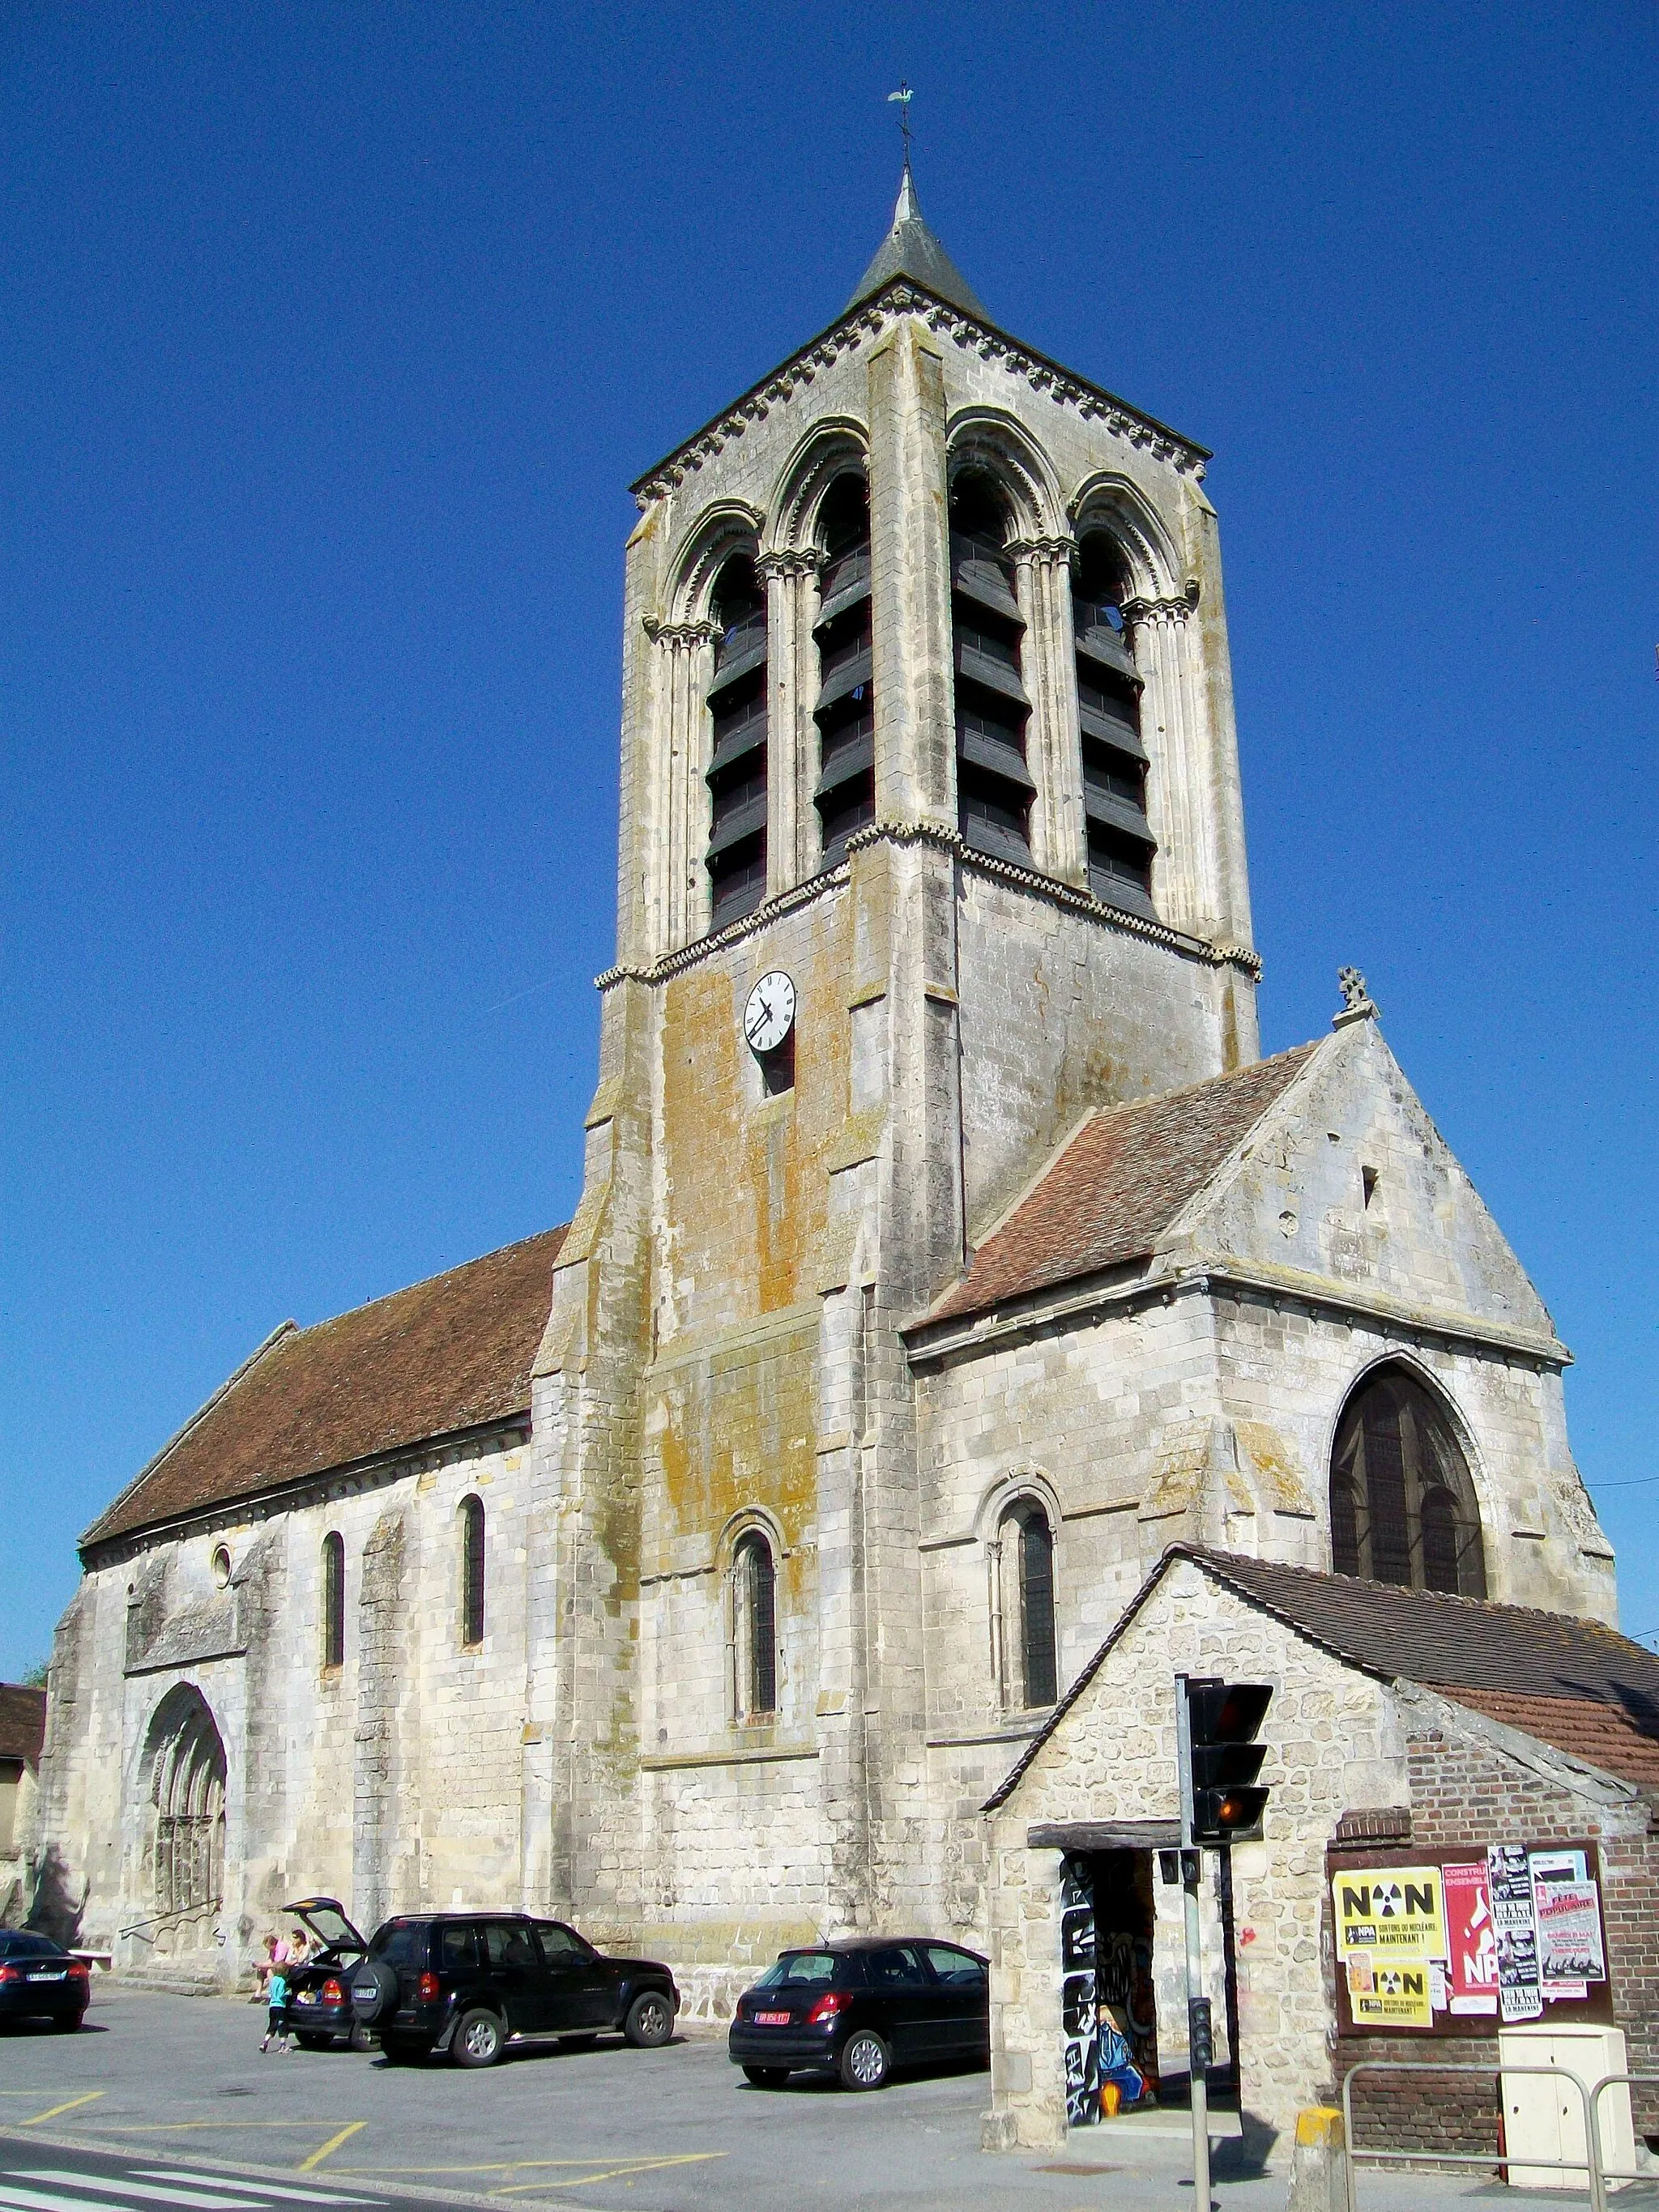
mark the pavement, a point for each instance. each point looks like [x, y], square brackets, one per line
[166, 2101]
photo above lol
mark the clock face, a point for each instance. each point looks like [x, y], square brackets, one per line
[768, 1014]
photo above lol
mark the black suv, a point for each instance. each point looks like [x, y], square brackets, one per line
[469, 1984]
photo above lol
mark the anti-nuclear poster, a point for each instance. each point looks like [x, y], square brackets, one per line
[1390, 1913]
[1398, 1996]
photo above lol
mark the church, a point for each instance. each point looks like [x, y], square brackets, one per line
[962, 1326]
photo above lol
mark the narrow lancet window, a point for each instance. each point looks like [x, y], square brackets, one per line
[472, 1571]
[1120, 846]
[845, 794]
[333, 1600]
[1027, 1550]
[993, 785]
[754, 1620]
[736, 762]
[1403, 1507]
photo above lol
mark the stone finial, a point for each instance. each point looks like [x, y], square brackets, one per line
[1356, 1004]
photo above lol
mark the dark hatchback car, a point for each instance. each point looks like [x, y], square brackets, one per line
[467, 1984]
[860, 2007]
[320, 1992]
[39, 1980]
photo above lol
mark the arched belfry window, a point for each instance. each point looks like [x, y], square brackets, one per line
[1027, 1557]
[1403, 1507]
[333, 1599]
[754, 1627]
[737, 761]
[1121, 845]
[845, 794]
[472, 1570]
[993, 785]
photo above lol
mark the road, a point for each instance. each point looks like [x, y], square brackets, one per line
[155, 2087]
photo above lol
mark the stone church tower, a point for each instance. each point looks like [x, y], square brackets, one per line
[945, 1254]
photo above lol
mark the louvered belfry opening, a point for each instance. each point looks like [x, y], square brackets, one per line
[993, 785]
[845, 794]
[737, 763]
[1121, 845]
[1403, 1507]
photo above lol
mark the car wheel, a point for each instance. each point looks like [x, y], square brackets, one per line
[374, 1990]
[363, 2038]
[650, 2020]
[768, 2077]
[479, 2038]
[67, 2023]
[864, 2063]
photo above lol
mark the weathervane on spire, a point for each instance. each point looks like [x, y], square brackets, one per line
[903, 96]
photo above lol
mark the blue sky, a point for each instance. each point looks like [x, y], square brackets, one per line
[329, 340]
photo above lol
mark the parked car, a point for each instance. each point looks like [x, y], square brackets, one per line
[319, 1991]
[467, 1984]
[39, 1980]
[860, 2008]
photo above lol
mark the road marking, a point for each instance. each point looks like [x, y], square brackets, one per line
[608, 2173]
[215, 2199]
[252, 2188]
[333, 2143]
[90, 2098]
[41, 2199]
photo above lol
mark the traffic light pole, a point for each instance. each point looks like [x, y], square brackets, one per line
[1198, 2037]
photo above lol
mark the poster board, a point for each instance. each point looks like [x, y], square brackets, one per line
[1466, 1939]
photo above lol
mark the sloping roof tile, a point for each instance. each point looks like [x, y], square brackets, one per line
[1116, 1185]
[1500, 1660]
[22, 1721]
[448, 1354]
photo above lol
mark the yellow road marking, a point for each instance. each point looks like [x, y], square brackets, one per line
[90, 2098]
[332, 2144]
[608, 2173]
[642, 2160]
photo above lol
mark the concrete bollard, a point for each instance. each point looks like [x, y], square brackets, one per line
[1319, 2169]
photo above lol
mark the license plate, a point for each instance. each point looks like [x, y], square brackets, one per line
[771, 2020]
[365, 1990]
[60, 1975]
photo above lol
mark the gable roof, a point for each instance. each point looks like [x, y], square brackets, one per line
[1117, 1183]
[22, 1721]
[1511, 1662]
[446, 1355]
[911, 249]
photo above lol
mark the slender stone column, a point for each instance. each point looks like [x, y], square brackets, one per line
[1053, 743]
[679, 892]
[791, 605]
[916, 751]
[1185, 888]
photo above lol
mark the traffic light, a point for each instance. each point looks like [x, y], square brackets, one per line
[1222, 1718]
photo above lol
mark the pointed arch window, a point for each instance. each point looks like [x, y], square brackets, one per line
[994, 788]
[736, 760]
[1403, 1507]
[472, 1571]
[333, 1599]
[845, 794]
[755, 1640]
[1027, 1555]
[1121, 843]
[187, 1794]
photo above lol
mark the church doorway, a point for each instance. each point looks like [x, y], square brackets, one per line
[186, 1759]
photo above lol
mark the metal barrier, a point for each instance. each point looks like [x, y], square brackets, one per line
[1589, 2166]
[1607, 2172]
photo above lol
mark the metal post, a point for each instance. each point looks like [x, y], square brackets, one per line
[1195, 1998]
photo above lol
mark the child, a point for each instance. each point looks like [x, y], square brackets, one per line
[276, 2019]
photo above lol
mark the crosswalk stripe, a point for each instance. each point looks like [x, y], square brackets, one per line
[103, 2185]
[41, 2200]
[252, 2188]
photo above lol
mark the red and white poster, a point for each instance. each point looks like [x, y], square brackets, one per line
[1471, 1940]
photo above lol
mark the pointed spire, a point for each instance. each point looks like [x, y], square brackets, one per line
[911, 249]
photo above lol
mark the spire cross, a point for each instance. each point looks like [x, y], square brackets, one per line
[903, 96]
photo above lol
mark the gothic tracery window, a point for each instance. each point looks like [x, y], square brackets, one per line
[736, 762]
[845, 794]
[1403, 1507]
[472, 1571]
[755, 1630]
[1121, 845]
[187, 1797]
[994, 788]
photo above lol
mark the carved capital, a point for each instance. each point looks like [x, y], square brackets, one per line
[1043, 552]
[681, 638]
[806, 562]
